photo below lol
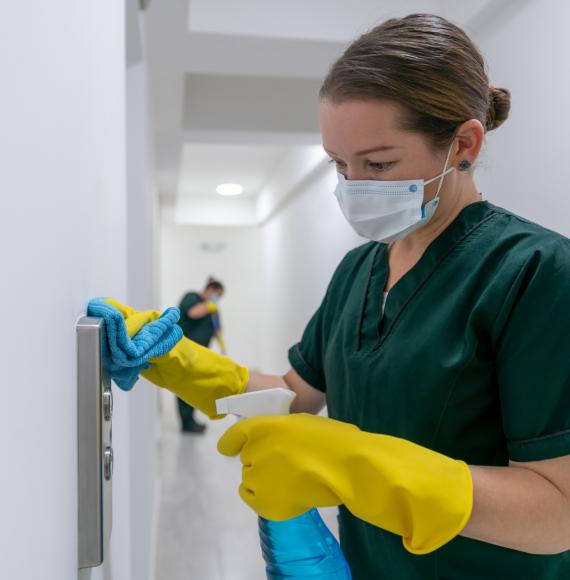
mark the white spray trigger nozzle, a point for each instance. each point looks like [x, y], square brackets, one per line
[257, 403]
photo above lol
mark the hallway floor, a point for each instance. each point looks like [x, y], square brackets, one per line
[205, 531]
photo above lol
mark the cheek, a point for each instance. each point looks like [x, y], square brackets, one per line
[420, 164]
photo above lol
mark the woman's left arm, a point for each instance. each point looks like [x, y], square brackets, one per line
[525, 506]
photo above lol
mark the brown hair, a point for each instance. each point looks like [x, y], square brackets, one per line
[213, 284]
[428, 65]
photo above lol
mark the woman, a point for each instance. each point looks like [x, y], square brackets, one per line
[442, 347]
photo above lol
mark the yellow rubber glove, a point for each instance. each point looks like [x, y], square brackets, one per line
[212, 307]
[294, 463]
[192, 372]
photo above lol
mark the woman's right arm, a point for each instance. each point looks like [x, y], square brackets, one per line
[308, 399]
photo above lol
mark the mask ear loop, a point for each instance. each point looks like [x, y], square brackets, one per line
[445, 172]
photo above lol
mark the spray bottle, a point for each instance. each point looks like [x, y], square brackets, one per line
[302, 548]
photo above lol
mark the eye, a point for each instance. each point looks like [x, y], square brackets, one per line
[337, 163]
[381, 165]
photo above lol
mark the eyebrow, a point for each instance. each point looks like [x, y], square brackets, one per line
[365, 151]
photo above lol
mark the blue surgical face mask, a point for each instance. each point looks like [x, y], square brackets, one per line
[385, 211]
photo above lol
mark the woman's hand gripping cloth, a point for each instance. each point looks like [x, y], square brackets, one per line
[192, 372]
[127, 351]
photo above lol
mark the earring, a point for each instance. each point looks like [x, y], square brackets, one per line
[464, 165]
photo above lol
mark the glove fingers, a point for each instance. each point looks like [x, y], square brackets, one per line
[247, 496]
[233, 440]
[134, 320]
[125, 310]
[273, 509]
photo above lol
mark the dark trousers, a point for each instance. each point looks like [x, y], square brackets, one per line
[186, 413]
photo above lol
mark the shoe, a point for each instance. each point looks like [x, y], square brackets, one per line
[193, 428]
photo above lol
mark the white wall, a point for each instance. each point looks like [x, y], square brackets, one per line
[63, 239]
[525, 166]
[185, 266]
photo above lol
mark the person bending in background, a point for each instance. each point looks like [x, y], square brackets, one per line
[200, 322]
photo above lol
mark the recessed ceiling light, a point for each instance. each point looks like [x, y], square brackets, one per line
[229, 189]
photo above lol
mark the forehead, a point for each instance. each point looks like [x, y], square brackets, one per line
[357, 124]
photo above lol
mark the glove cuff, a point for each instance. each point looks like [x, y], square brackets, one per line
[456, 509]
[419, 494]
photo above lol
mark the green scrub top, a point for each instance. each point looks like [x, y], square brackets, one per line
[471, 359]
[200, 330]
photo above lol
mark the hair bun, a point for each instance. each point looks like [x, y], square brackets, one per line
[499, 107]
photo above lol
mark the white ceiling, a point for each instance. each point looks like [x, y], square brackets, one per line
[234, 84]
[204, 166]
[321, 20]
[251, 103]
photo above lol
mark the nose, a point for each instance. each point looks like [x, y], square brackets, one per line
[353, 173]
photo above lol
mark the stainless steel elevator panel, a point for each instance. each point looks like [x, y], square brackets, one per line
[94, 445]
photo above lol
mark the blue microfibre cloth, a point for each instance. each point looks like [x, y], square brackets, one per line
[125, 357]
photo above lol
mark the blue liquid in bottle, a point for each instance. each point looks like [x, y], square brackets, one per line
[302, 548]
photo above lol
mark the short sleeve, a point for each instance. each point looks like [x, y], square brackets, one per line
[533, 357]
[306, 357]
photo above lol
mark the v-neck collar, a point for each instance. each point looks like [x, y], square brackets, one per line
[462, 230]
